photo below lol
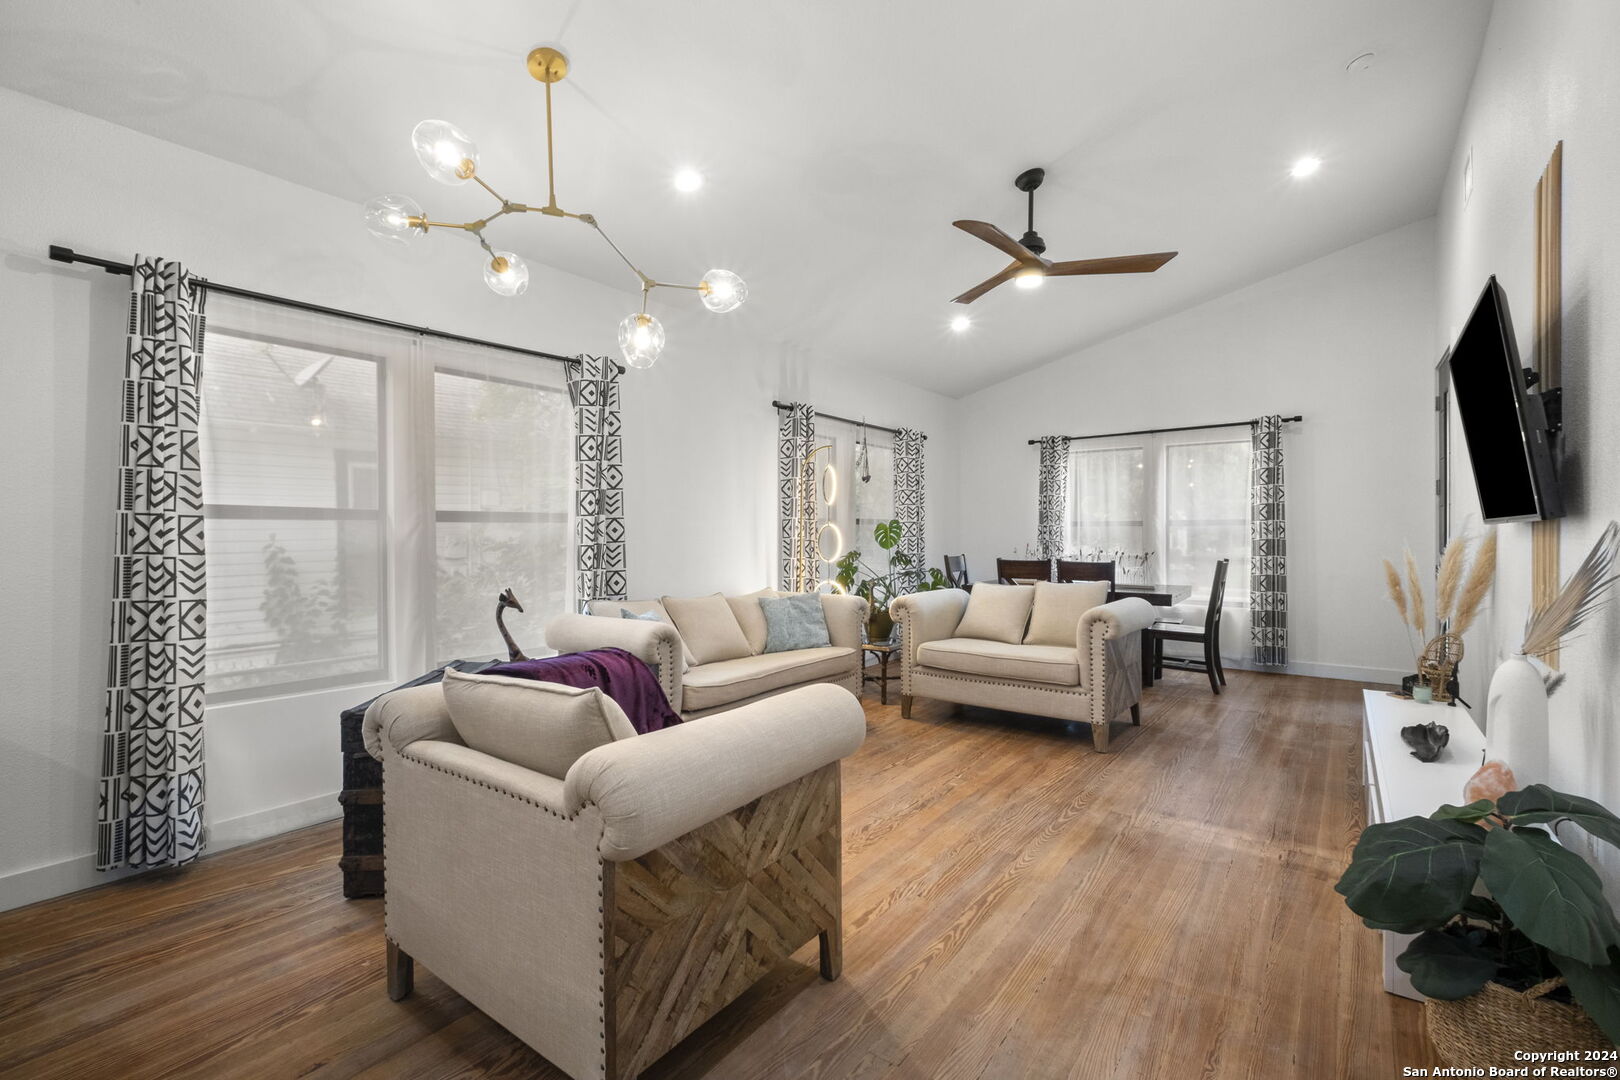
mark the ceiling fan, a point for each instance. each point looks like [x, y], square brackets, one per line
[1028, 267]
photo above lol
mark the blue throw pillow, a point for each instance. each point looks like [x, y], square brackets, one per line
[794, 622]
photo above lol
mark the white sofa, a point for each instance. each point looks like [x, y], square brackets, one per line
[701, 689]
[1097, 680]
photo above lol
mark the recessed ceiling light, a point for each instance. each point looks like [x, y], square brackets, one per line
[1305, 166]
[688, 180]
[961, 323]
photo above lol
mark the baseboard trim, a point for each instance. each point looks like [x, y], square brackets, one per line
[30, 886]
[1312, 669]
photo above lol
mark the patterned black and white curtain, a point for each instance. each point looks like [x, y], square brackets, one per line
[151, 799]
[796, 438]
[599, 556]
[1268, 545]
[910, 501]
[1052, 517]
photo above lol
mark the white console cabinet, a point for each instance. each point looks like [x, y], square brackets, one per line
[1400, 786]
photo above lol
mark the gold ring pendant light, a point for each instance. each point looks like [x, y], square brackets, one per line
[450, 157]
[816, 495]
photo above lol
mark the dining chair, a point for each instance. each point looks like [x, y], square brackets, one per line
[1209, 637]
[1072, 570]
[956, 572]
[1023, 571]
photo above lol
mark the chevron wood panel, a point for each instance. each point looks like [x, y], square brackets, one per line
[698, 921]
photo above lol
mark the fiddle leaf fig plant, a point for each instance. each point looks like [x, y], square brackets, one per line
[1542, 912]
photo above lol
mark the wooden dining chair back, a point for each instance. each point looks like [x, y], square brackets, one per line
[1209, 637]
[1021, 571]
[1072, 570]
[956, 572]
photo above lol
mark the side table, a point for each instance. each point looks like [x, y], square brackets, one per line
[884, 651]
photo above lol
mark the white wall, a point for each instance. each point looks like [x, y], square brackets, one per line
[1347, 341]
[1547, 73]
[700, 446]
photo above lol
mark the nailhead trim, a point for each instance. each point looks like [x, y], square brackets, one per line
[404, 756]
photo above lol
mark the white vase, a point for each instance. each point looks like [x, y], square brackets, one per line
[1516, 720]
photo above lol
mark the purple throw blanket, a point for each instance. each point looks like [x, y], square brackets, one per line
[623, 677]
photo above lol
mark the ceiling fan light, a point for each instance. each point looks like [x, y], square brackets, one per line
[641, 339]
[1031, 277]
[447, 154]
[506, 274]
[722, 291]
[398, 218]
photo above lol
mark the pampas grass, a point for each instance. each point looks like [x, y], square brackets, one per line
[1449, 578]
[1397, 593]
[1415, 593]
[1475, 587]
[1457, 596]
[1586, 590]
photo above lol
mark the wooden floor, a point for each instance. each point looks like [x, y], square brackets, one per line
[1016, 907]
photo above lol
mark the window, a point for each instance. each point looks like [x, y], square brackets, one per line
[291, 438]
[502, 475]
[860, 504]
[370, 493]
[1184, 498]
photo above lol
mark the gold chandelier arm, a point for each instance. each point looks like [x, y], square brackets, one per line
[479, 180]
[646, 282]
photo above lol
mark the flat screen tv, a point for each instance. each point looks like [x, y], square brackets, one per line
[1504, 424]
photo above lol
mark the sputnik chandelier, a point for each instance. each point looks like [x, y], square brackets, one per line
[450, 157]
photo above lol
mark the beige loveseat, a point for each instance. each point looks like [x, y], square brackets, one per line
[697, 688]
[1086, 666]
[604, 913]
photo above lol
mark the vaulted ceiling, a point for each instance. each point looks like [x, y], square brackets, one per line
[838, 139]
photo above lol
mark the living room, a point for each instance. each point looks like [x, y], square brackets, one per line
[399, 391]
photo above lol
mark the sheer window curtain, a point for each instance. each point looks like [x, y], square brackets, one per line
[1183, 496]
[370, 492]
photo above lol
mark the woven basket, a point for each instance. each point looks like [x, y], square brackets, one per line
[1487, 1028]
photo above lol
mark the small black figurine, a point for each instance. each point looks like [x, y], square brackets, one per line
[1426, 740]
[504, 601]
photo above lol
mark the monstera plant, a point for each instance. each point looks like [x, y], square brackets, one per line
[877, 589]
[1541, 913]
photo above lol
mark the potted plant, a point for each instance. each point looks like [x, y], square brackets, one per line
[1531, 961]
[878, 589]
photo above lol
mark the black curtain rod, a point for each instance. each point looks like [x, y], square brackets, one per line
[1164, 430]
[783, 406]
[68, 255]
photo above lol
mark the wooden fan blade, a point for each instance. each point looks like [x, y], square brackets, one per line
[998, 240]
[1117, 264]
[985, 286]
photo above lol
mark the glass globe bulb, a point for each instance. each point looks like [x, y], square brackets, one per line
[507, 274]
[445, 152]
[641, 339]
[390, 218]
[1030, 279]
[722, 291]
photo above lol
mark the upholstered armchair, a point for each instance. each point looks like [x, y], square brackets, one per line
[602, 915]
[1096, 680]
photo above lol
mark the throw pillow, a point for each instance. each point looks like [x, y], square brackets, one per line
[997, 612]
[615, 609]
[1058, 607]
[751, 618]
[541, 726]
[708, 628]
[794, 622]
